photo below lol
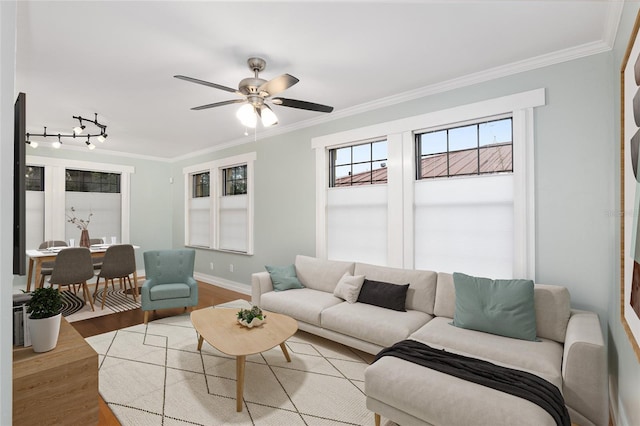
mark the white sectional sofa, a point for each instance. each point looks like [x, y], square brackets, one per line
[569, 353]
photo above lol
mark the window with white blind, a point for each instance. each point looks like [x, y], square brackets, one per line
[458, 194]
[55, 185]
[219, 204]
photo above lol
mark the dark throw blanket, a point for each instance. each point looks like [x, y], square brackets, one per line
[515, 382]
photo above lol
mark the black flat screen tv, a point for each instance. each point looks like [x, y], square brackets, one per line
[19, 189]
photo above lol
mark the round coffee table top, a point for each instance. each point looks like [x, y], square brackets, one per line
[220, 328]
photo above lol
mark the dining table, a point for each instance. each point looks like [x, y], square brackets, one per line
[38, 256]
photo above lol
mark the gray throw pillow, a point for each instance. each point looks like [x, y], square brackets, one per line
[283, 277]
[502, 307]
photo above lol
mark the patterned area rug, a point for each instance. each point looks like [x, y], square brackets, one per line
[154, 375]
[74, 308]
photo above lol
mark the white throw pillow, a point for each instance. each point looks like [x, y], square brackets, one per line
[348, 288]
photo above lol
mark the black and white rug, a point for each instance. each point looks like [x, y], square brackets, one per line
[154, 375]
[74, 308]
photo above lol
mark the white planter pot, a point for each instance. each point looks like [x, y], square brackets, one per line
[44, 333]
[254, 322]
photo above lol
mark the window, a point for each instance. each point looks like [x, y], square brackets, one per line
[481, 222]
[362, 164]
[34, 179]
[234, 180]
[475, 149]
[201, 185]
[92, 181]
[219, 204]
[90, 187]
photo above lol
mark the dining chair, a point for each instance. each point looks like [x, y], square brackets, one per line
[169, 280]
[119, 262]
[73, 266]
[97, 260]
[47, 267]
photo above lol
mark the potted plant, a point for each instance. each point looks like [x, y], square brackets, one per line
[44, 319]
[251, 317]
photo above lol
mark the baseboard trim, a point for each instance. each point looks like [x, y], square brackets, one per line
[224, 283]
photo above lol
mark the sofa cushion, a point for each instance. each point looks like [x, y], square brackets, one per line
[320, 274]
[384, 295]
[503, 307]
[543, 358]
[348, 288]
[303, 304]
[552, 305]
[283, 277]
[422, 284]
[370, 323]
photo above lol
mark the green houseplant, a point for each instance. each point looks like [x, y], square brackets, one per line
[251, 317]
[44, 319]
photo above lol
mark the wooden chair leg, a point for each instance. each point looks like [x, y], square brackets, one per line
[377, 419]
[135, 299]
[85, 293]
[146, 316]
[104, 292]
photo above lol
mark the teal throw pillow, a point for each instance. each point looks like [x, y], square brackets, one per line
[284, 277]
[502, 307]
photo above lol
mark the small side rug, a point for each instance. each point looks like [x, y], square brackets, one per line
[154, 375]
[116, 301]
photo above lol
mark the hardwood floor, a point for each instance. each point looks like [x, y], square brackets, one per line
[208, 295]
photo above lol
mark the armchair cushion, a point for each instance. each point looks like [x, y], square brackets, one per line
[169, 291]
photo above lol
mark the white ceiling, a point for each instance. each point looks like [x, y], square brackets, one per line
[118, 58]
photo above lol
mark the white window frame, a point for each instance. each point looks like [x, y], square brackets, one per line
[54, 192]
[215, 192]
[401, 173]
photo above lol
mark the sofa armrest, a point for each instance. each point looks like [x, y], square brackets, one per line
[260, 283]
[584, 368]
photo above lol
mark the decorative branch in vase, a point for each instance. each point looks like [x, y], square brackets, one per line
[82, 225]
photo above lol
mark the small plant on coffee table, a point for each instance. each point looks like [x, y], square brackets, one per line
[248, 315]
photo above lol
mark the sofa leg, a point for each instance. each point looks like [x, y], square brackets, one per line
[377, 419]
[146, 316]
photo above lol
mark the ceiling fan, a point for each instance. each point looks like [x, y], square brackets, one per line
[255, 92]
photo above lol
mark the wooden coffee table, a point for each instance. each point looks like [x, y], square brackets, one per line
[220, 328]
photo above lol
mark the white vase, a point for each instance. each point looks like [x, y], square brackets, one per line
[44, 333]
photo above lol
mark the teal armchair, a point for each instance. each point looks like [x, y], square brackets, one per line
[169, 280]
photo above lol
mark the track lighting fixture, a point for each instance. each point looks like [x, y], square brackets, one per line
[101, 136]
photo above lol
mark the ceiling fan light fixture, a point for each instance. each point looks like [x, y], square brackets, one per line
[247, 116]
[267, 116]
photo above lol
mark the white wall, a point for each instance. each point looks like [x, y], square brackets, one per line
[7, 98]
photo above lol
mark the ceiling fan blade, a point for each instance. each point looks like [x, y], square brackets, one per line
[294, 103]
[206, 83]
[278, 84]
[217, 104]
